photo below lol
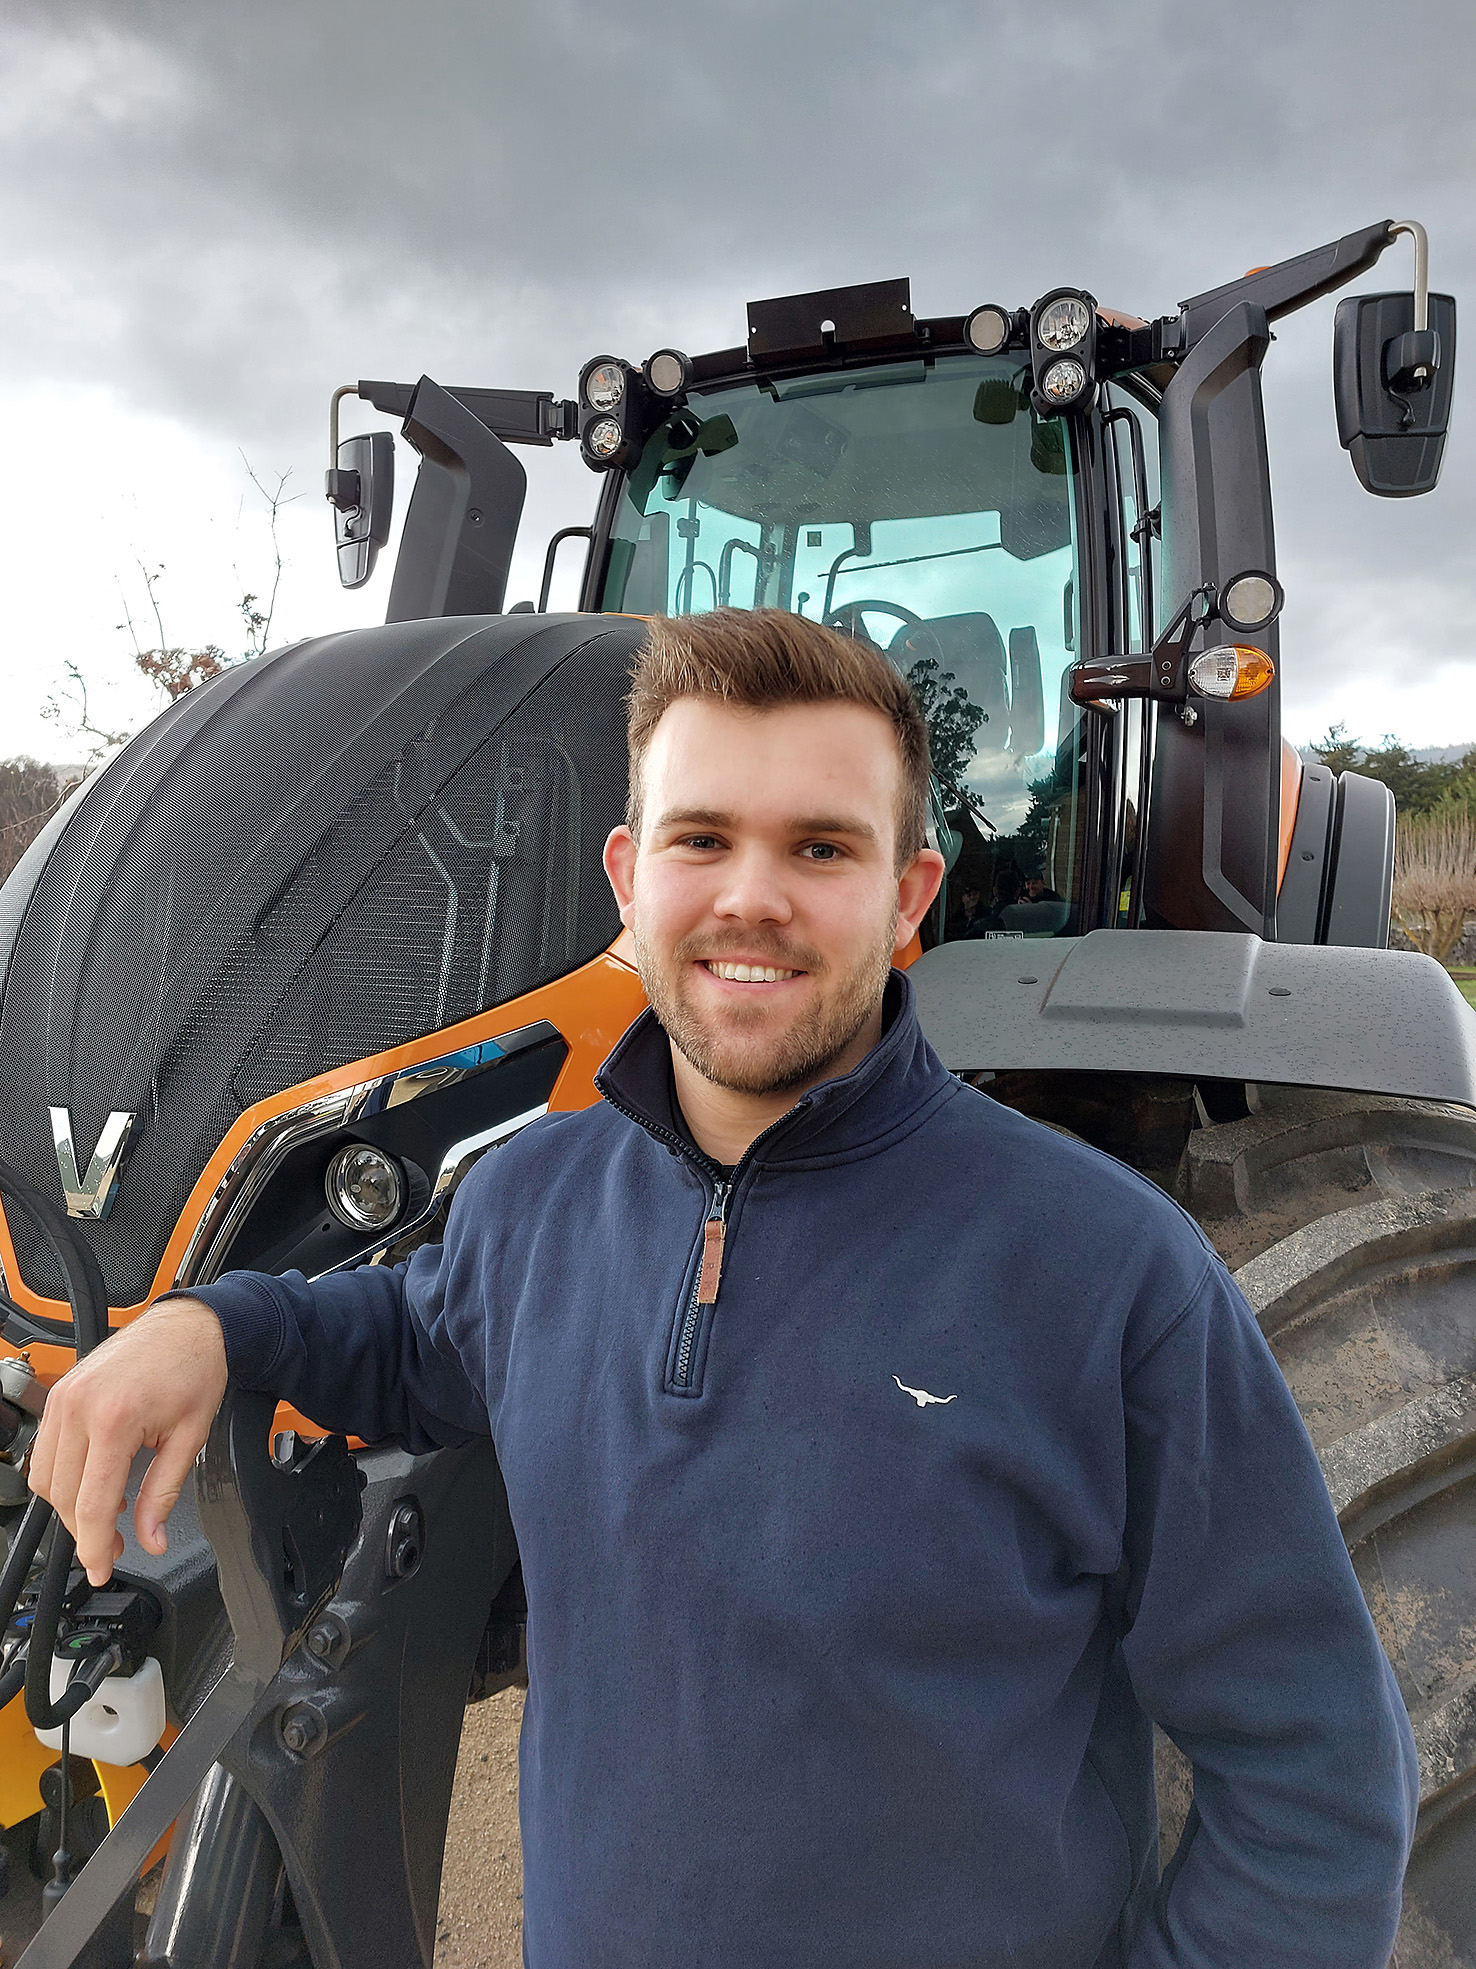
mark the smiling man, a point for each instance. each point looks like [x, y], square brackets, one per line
[881, 1462]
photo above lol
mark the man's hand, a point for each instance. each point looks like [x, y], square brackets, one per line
[156, 1385]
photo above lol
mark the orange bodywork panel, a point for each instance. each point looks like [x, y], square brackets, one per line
[22, 1760]
[1291, 793]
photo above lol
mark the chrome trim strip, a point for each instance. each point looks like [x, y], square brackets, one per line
[263, 1152]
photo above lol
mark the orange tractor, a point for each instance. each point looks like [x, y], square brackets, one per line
[335, 925]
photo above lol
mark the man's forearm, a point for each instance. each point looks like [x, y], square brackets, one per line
[350, 1351]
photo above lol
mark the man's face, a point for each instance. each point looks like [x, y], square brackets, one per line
[763, 895]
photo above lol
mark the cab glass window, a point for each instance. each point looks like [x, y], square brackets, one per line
[925, 506]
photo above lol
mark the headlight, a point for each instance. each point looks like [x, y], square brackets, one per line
[365, 1187]
[1064, 323]
[1064, 380]
[604, 386]
[604, 437]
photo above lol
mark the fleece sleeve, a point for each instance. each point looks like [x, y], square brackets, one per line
[1250, 1644]
[369, 1351]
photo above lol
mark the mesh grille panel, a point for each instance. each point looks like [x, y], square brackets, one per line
[345, 846]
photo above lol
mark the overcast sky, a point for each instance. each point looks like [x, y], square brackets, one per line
[213, 214]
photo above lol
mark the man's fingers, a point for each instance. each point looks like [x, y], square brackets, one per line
[159, 1492]
[101, 1496]
[43, 1459]
[58, 1476]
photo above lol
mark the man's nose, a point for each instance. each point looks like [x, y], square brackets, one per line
[754, 890]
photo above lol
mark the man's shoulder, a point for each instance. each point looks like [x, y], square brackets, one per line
[563, 1141]
[1076, 1198]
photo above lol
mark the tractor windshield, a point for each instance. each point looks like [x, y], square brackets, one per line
[925, 506]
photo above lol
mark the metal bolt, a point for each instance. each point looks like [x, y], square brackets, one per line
[302, 1729]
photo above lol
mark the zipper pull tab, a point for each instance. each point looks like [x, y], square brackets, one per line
[711, 1274]
[713, 1232]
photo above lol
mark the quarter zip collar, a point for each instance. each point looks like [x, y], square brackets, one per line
[899, 1078]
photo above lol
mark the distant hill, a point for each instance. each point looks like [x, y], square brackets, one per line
[1429, 755]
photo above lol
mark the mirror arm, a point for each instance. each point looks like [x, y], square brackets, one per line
[1162, 674]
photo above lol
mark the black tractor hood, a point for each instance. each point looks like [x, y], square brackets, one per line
[324, 853]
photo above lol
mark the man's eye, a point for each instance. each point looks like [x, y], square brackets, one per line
[822, 851]
[700, 841]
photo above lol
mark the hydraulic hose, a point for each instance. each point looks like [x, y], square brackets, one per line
[23, 1549]
[87, 1297]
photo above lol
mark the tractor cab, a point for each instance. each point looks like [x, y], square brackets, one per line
[894, 480]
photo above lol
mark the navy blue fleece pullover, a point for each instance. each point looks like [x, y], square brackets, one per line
[851, 1596]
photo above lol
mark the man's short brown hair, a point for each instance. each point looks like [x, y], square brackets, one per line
[764, 658]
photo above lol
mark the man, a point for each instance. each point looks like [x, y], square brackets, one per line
[880, 1461]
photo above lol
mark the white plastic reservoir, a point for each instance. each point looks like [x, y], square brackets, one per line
[124, 1720]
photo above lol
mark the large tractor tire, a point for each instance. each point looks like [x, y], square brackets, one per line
[1350, 1222]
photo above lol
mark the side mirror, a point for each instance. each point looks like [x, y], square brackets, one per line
[361, 490]
[1392, 383]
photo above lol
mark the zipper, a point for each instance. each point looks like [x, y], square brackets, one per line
[705, 1286]
[714, 1224]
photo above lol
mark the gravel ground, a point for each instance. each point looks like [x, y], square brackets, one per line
[481, 1920]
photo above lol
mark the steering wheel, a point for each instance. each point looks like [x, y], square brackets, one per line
[847, 618]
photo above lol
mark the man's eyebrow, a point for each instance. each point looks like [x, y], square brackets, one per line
[859, 830]
[849, 824]
[694, 817]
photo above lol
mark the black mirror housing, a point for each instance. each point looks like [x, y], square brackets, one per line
[361, 488]
[1392, 387]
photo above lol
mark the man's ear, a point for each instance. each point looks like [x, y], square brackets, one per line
[620, 861]
[916, 887]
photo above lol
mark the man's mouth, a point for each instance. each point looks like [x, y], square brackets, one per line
[733, 973]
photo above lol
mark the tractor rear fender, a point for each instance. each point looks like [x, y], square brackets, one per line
[1210, 1006]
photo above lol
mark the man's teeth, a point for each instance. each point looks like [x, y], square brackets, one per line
[749, 973]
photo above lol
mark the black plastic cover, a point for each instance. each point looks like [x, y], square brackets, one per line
[321, 854]
[876, 315]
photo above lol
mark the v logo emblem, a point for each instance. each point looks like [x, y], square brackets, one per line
[94, 1197]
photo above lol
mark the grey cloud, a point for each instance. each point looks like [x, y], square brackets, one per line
[222, 211]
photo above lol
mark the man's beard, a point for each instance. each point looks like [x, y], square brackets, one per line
[797, 1055]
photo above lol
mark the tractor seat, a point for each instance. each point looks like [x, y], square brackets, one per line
[970, 654]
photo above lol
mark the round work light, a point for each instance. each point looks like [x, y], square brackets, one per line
[604, 386]
[365, 1187]
[1064, 380]
[1063, 324]
[604, 437]
[987, 330]
[1251, 600]
[666, 373]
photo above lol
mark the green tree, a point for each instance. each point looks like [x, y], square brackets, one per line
[953, 720]
[1337, 751]
[30, 794]
[1419, 786]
